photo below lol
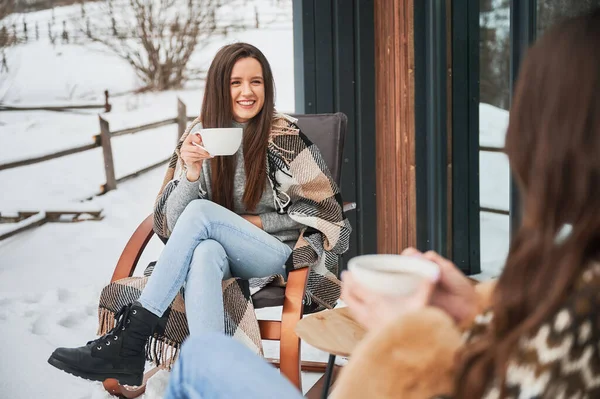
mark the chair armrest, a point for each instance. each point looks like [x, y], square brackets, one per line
[293, 308]
[349, 206]
[294, 291]
[133, 250]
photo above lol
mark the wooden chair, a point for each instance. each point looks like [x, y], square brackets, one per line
[328, 132]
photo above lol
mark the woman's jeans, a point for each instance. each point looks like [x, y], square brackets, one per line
[208, 244]
[217, 367]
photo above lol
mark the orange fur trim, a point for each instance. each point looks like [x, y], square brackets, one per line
[411, 358]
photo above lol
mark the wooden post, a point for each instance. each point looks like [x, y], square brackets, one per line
[181, 118]
[109, 166]
[395, 125]
[107, 106]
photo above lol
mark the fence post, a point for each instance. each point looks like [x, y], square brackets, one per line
[109, 166]
[107, 106]
[181, 118]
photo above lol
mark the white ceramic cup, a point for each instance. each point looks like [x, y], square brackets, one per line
[392, 274]
[221, 141]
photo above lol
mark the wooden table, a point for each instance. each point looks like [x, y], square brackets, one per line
[333, 331]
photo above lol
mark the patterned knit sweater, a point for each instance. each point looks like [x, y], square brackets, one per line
[561, 359]
[414, 357]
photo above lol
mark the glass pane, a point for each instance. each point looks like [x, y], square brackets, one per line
[551, 11]
[494, 74]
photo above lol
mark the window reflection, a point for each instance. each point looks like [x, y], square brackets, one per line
[550, 12]
[494, 75]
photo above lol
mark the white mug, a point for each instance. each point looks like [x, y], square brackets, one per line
[392, 274]
[220, 141]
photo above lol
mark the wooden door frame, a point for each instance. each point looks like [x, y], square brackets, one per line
[395, 125]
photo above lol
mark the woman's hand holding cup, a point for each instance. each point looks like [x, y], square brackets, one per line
[373, 310]
[454, 293]
[193, 154]
[448, 290]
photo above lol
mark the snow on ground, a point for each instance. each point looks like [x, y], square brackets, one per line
[50, 280]
[50, 277]
[27, 134]
[58, 70]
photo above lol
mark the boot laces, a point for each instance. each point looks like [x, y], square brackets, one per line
[122, 318]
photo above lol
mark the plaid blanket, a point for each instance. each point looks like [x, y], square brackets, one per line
[303, 187]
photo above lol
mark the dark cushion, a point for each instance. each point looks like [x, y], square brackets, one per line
[268, 297]
[327, 132]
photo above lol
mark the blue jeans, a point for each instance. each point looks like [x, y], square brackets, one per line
[214, 366]
[208, 244]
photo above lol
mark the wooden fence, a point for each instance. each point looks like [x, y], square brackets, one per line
[60, 108]
[27, 220]
[103, 139]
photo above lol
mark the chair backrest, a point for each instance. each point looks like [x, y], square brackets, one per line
[327, 132]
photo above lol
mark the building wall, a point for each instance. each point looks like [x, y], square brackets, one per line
[334, 49]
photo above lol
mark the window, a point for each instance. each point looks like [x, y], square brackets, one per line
[494, 101]
[485, 57]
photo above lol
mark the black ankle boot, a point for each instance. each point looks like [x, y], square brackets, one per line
[120, 354]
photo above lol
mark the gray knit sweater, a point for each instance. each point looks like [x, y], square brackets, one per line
[278, 225]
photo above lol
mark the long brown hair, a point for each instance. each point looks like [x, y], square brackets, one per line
[553, 145]
[217, 113]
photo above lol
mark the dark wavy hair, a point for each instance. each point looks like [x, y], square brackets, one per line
[217, 113]
[553, 145]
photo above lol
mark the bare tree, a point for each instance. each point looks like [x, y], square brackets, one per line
[494, 48]
[6, 8]
[157, 37]
[494, 57]
[7, 39]
[550, 12]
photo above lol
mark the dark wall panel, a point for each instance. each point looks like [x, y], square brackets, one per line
[334, 61]
[465, 136]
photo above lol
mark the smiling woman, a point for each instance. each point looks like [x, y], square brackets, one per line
[239, 89]
[247, 89]
[255, 214]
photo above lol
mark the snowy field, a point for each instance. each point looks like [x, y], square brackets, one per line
[50, 277]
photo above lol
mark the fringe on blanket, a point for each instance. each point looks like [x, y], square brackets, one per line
[106, 321]
[162, 351]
